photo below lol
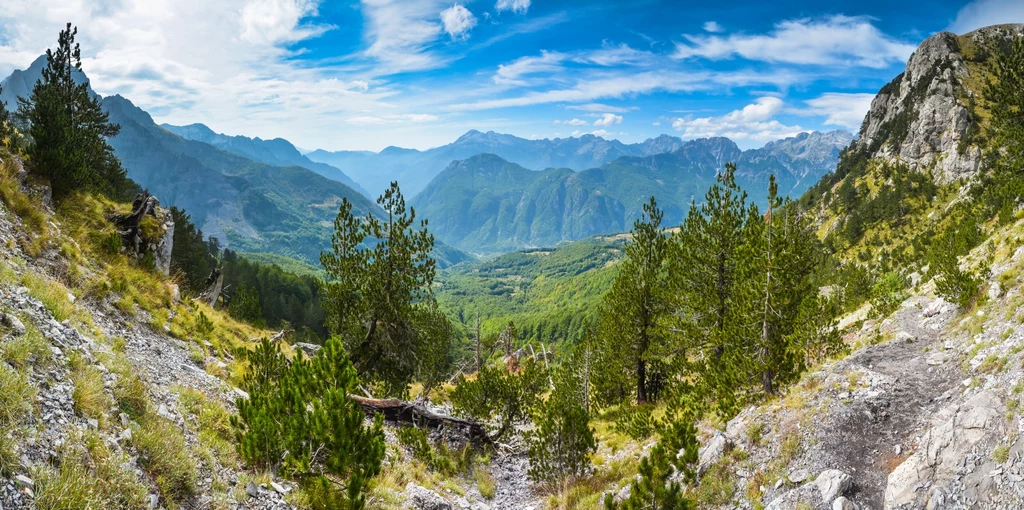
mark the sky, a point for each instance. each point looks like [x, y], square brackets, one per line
[369, 74]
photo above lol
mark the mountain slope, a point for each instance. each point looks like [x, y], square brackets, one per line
[414, 169]
[276, 152]
[21, 82]
[487, 204]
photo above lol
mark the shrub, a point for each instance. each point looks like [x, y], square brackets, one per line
[561, 442]
[888, 293]
[299, 417]
[89, 396]
[500, 393]
[30, 348]
[655, 487]
[636, 422]
[484, 482]
[416, 441]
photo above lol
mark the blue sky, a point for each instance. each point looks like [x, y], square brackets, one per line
[366, 75]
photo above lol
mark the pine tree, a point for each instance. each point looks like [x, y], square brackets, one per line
[560, 444]
[245, 305]
[69, 129]
[703, 273]
[634, 310]
[500, 392]
[776, 264]
[6, 129]
[298, 419]
[191, 260]
[378, 297]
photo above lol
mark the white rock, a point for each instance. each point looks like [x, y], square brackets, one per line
[995, 291]
[279, 488]
[936, 358]
[252, 490]
[798, 476]
[904, 336]
[23, 481]
[833, 483]
[126, 435]
[424, 499]
[711, 452]
[841, 503]
[240, 393]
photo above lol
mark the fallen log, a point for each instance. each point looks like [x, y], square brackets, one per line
[416, 414]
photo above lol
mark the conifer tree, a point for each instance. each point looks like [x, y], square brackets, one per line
[298, 419]
[245, 305]
[776, 265]
[703, 275]
[69, 129]
[190, 257]
[378, 298]
[631, 326]
[6, 129]
[560, 444]
[500, 392]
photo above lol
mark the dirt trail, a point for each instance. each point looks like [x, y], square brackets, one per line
[868, 437]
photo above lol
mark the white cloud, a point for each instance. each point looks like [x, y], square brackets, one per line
[516, 6]
[838, 40]
[655, 123]
[413, 118]
[457, 21]
[401, 33]
[608, 119]
[982, 13]
[573, 122]
[713, 27]
[609, 56]
[597, 107]
[755, 122]
[839, 109]
[277, 21]
[513, 73]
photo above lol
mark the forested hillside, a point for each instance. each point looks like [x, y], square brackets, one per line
[486, 204]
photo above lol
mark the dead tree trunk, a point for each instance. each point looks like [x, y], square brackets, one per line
[407, 412]
[130, 226]
[214, 284]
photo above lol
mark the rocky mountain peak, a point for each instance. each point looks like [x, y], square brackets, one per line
[927, 117]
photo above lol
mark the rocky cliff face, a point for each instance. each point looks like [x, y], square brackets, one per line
[929, 117]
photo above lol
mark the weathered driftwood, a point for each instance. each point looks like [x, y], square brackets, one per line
[408, 412]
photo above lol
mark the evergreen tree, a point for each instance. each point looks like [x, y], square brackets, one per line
[634, 310]
[191, 261]
[560, 444]
[6, 129]
[245, 305]
[298, 419]
[69, 129]
[703, 274]
[776, 265]
[500, 392]
[379, 293]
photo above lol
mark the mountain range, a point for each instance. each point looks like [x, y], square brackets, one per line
[486, 204]
[414, 169]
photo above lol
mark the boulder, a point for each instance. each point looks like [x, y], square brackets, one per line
[712, 452]
[12, 323]
[841, 503]
[421, 498]
[833, 483]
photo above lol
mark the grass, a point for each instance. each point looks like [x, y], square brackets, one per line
[27, 208]
[16, 394]
[588, 492]
[32, 348]
[1001, 454]
[755, 431]
[91, 475]
[992, 364]
[484, 482]
[53, 295]
[716, 486]
[163, 454]
[89, 396]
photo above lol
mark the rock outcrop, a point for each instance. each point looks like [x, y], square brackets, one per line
[927, 117]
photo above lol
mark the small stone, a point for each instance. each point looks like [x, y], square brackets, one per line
[93, 424]
[899, 449]
[126, 435]
[798, 476]
[154, 501]
[71, 298]
[904, 336]
[13, 323]
[124, 419]
[241, 393]
[995, 291]
[841, 503]
[936, 358]
[23, 481]
[279, 488]
[163, 412]
[252, 490]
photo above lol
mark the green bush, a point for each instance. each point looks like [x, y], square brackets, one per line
[561, 442]
[888, 293]
[298, 418]
[498, 392]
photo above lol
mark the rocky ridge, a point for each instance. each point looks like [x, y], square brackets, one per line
[931, 115]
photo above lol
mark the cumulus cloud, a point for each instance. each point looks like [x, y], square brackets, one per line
[839, 109]
[754, 122]
[278, 21]
[516, 6]
[608, 119]
[982, 13]
[713, 27]
[837, 40]
[572, 122]
[457, 21]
